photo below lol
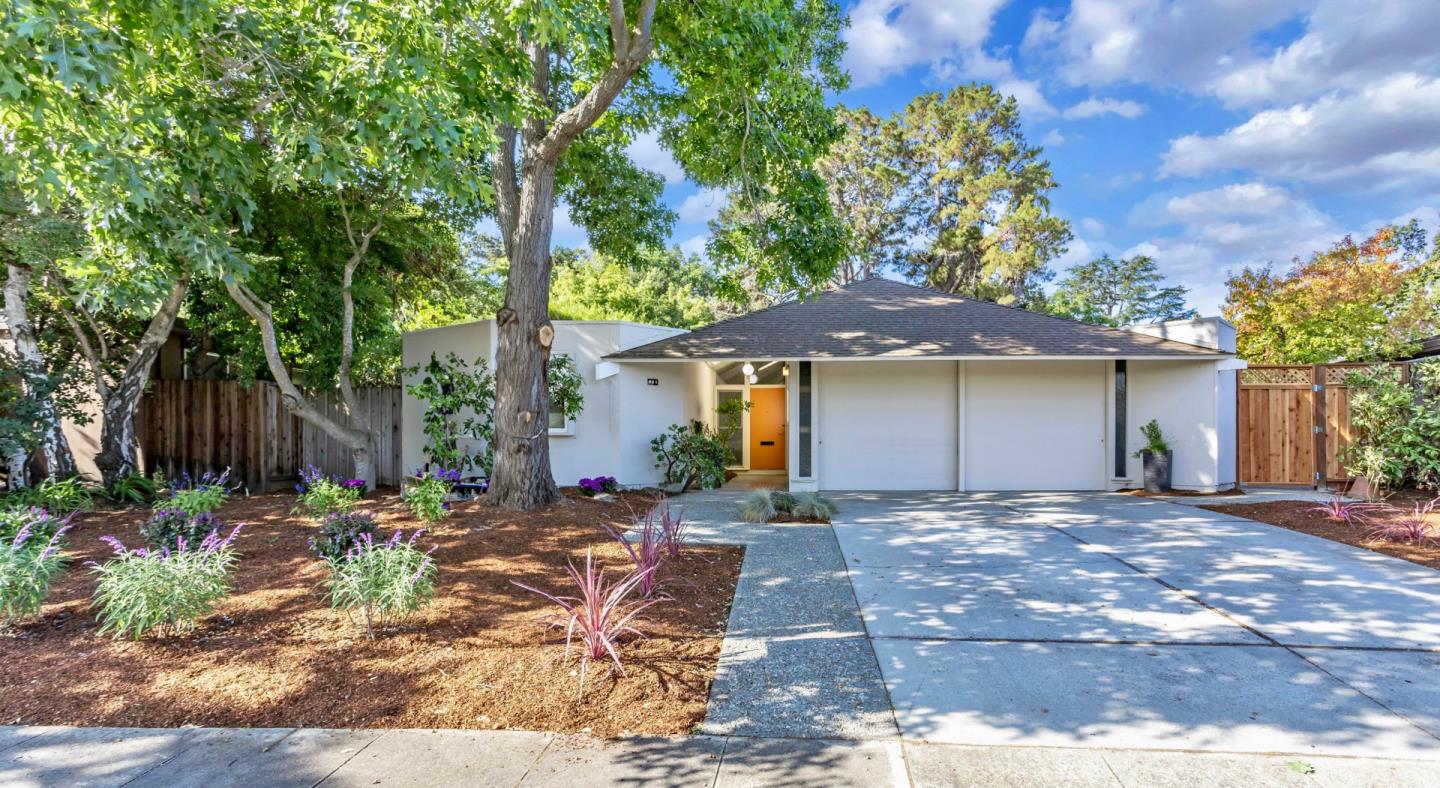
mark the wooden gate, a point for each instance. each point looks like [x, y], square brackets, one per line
[1293, 422]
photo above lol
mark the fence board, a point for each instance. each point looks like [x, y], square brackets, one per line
[200, 425]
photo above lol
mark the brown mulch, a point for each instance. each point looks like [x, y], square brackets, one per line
[1301, 516]
[275, 655]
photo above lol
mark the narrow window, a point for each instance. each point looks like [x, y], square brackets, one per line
[1120, 385]
[805, 420]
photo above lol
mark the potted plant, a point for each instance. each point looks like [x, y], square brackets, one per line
[1156, 456]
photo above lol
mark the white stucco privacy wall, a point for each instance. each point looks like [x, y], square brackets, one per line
[625, 404]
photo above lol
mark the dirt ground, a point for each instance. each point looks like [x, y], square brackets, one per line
[275, 654]
[1303, 516]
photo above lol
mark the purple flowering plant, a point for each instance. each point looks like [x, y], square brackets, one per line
[165, 590]
[590, 487]
[428, 493]
[386, 581]
[319, 495]
[30, 560]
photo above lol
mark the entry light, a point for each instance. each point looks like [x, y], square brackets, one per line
[754, 380]
[785, 370]
[748, 370]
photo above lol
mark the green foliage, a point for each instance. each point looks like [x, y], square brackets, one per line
[166, 592]
[132, 488]
[1154, 439]
[323, 496]
[459, 404]
[427, 494]
[341, 532]
[813, 506]
[872, 191]
[386, 580]
[690, 455]
[56, 495]
[1395, 428]
[660, 288]
[784, 501]
[730, 420]
[758, 506]
[198, 500]
[30, 560]
[1110, 292]
[169, 528]
[33, 520]
[564, 387]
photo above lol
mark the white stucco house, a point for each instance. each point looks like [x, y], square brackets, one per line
[881, 385]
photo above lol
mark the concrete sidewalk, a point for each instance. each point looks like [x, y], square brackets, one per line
[216, 758]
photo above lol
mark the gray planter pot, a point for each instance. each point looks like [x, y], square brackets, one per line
[1157, 470]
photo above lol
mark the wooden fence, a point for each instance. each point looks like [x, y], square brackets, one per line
[1293, 422]
[200, 425]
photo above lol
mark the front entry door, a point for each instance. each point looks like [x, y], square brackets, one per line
[767, 429]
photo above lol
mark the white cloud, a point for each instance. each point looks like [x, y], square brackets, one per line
[1346, 43]
[695, 244]
[1092, 226]
[1092, 107]
[889, 37]
[646, 152]
[1385, 135]
[702, 206]
[1216, 231]
[1052, 138]
[1076, 252]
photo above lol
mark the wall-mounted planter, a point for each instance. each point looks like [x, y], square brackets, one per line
[1157, 470]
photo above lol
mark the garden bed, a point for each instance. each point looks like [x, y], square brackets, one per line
[275, 655]
[1302, 516]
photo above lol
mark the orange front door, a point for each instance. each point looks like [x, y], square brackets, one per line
[767, 429]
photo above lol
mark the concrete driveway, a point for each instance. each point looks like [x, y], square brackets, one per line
[1102, 620]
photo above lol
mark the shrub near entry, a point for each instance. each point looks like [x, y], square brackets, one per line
[427, 494]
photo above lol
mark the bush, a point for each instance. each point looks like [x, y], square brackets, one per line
[813, 506]
[65, 496]
[30, 560]
[386, 580]
[427, 493]
[599, 614]
[38, 522]
[199, 495]
[175, 528]
[1411, 527]
[340, 533]
[600, 484]
[758, 506]
[132, 488]
[1396, 428]
[165, 590]
[689, 455]
[1155, 442]
[319, 495]
[784, 501]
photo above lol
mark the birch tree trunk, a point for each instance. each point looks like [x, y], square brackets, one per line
[55, 450]
[119, 446]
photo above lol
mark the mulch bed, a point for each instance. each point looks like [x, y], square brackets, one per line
[1301, 516]
[1141, 492]
[275, 654]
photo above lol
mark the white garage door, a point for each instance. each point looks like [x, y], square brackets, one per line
[887, 425]
[1034, 425]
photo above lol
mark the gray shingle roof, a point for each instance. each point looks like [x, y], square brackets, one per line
[884, 318]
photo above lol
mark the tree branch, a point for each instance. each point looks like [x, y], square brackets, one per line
[358, 250]
[507, 191]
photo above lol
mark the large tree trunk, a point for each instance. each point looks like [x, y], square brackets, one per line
[522, 475]
[54, 449]
[119, 446]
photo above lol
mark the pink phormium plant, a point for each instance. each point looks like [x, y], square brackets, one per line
[1412, 527]
[648, 552]
[1338, 507]
[599, 615]
[673, 528]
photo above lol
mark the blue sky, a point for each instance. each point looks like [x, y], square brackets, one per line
[1209, 134]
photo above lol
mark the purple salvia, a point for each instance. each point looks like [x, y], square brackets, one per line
[415, 536]
[115, 544]
[54, 545]
[227, 541]
[21, 535]
[394, 539]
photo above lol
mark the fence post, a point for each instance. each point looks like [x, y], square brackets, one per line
[1319, 395]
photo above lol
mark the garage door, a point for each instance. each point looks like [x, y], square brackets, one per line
[887, 425]
[1034, 425]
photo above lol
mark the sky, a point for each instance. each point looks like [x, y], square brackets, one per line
[1208, 134]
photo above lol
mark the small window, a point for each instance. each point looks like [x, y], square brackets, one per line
[560, 425]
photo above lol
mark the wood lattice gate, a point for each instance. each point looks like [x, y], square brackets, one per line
[1293, 422]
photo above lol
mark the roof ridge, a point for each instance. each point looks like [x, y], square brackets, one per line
[1073, 321]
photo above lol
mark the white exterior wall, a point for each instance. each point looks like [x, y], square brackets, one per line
[1189, 401]
[621, 413]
